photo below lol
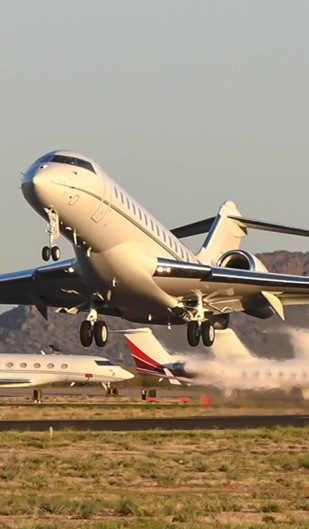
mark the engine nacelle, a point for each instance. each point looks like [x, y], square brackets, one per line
[241, 260]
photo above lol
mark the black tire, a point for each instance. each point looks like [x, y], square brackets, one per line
[86, 333]
[193, 333]
[208, 333]
[55, 253]
[45, 253]
[100, 333]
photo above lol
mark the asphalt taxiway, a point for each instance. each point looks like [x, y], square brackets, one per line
[167, 424]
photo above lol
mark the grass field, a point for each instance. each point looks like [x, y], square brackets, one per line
[155, 480]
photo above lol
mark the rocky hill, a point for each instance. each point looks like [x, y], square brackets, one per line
[23, 329]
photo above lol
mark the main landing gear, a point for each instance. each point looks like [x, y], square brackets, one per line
[53, 233]
[198, 329]
[93, 328]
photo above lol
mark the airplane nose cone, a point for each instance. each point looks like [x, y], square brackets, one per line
[27, 186]
[33, 183]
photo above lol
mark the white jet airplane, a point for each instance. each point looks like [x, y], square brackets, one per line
[227, 372]
[26, 370]
[128, 265]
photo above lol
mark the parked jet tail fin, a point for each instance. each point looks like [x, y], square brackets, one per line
[147, 352]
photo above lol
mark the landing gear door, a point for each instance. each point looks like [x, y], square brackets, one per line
[104, 204]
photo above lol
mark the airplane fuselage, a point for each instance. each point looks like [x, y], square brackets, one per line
[25, 370]
[115, 239]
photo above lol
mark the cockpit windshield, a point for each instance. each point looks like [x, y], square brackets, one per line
[44, 159]
[71, 160]
[104, 363]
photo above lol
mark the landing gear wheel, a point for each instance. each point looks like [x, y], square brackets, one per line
[55, 253]
[45, 253]
[193, 333]
[86, 333]
[100, 333]
[208, 333]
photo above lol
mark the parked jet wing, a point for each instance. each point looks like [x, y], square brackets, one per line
[8, 381]
[55, 285]
[230, 290]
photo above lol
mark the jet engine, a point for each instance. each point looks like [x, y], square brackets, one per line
[241, 260]
[257, 306]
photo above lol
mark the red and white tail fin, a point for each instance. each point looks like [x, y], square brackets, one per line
[148, 354]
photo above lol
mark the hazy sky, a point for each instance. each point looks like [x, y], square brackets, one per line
[185, 103]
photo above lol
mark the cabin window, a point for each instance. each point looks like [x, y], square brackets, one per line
[134, 208]
[9, 364]
[37, 365]
[151, 223]
[164, 236]
[187, 256]
[182, 252]
[175, 246]
[23, 365]
[171, 244]
[64, 366]
[128, 203]
[121, 196]
[140, 214]
[116, 192]
[158, 230]
[50, 366]
[146, 219]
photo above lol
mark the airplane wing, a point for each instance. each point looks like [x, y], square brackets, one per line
[226, 290]
[55, 285]
[9, 381]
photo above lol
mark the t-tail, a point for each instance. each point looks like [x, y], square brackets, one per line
[225, 231]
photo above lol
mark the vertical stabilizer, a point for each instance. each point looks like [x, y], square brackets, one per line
[147, 352]
[225, 234]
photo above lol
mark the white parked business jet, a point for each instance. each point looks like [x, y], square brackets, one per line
[240, 370]
[128, 265]
[25, 370]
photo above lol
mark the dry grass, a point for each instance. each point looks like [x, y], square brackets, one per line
[164, 480]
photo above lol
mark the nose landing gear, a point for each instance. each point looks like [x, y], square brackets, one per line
[93, 328]
[53, 233]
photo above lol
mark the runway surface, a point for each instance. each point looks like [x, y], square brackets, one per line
[186, 423]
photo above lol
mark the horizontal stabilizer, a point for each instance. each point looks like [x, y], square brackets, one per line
[268, 226]
[203, 226]
[196, 228]
[172, 379]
